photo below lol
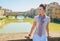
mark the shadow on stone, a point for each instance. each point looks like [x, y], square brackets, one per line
[54, 39]
[49, 39]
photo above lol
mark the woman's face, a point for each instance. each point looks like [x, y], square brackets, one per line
[40, 11]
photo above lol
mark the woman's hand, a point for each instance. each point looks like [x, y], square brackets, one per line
[28, 36]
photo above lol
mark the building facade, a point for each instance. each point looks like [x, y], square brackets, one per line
[53, 10]
[1, 12]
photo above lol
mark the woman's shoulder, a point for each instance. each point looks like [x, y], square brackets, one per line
[36, 16]
[48, 18]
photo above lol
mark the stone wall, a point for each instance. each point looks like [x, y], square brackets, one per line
[49, 39]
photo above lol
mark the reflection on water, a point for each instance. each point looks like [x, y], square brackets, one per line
[16, 27]
[20, 17]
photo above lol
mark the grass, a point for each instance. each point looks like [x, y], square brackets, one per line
[54, 27]
[28, 20]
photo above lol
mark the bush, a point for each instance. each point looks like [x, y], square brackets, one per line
[55, 20]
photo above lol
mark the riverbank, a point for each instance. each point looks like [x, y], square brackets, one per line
[52, 26]
[7, 21]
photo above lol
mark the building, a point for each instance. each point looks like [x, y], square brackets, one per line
[4, 12]
[53, 10]
[7, 12]
[1, 12]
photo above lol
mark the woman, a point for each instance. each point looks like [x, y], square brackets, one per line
[41, 22]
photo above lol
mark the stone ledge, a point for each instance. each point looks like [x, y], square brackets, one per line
[49, 39]
[54, 39]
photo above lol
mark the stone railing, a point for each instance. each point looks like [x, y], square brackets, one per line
[54, 39]
[49, 39]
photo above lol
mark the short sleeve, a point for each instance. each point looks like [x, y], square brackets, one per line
[48, 19]
[35, 18]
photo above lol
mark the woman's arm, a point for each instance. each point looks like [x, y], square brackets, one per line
[33, 27]
[47, 29]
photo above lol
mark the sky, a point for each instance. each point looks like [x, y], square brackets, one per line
[24, 5]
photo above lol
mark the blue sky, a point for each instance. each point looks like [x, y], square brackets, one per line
[24, 5]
